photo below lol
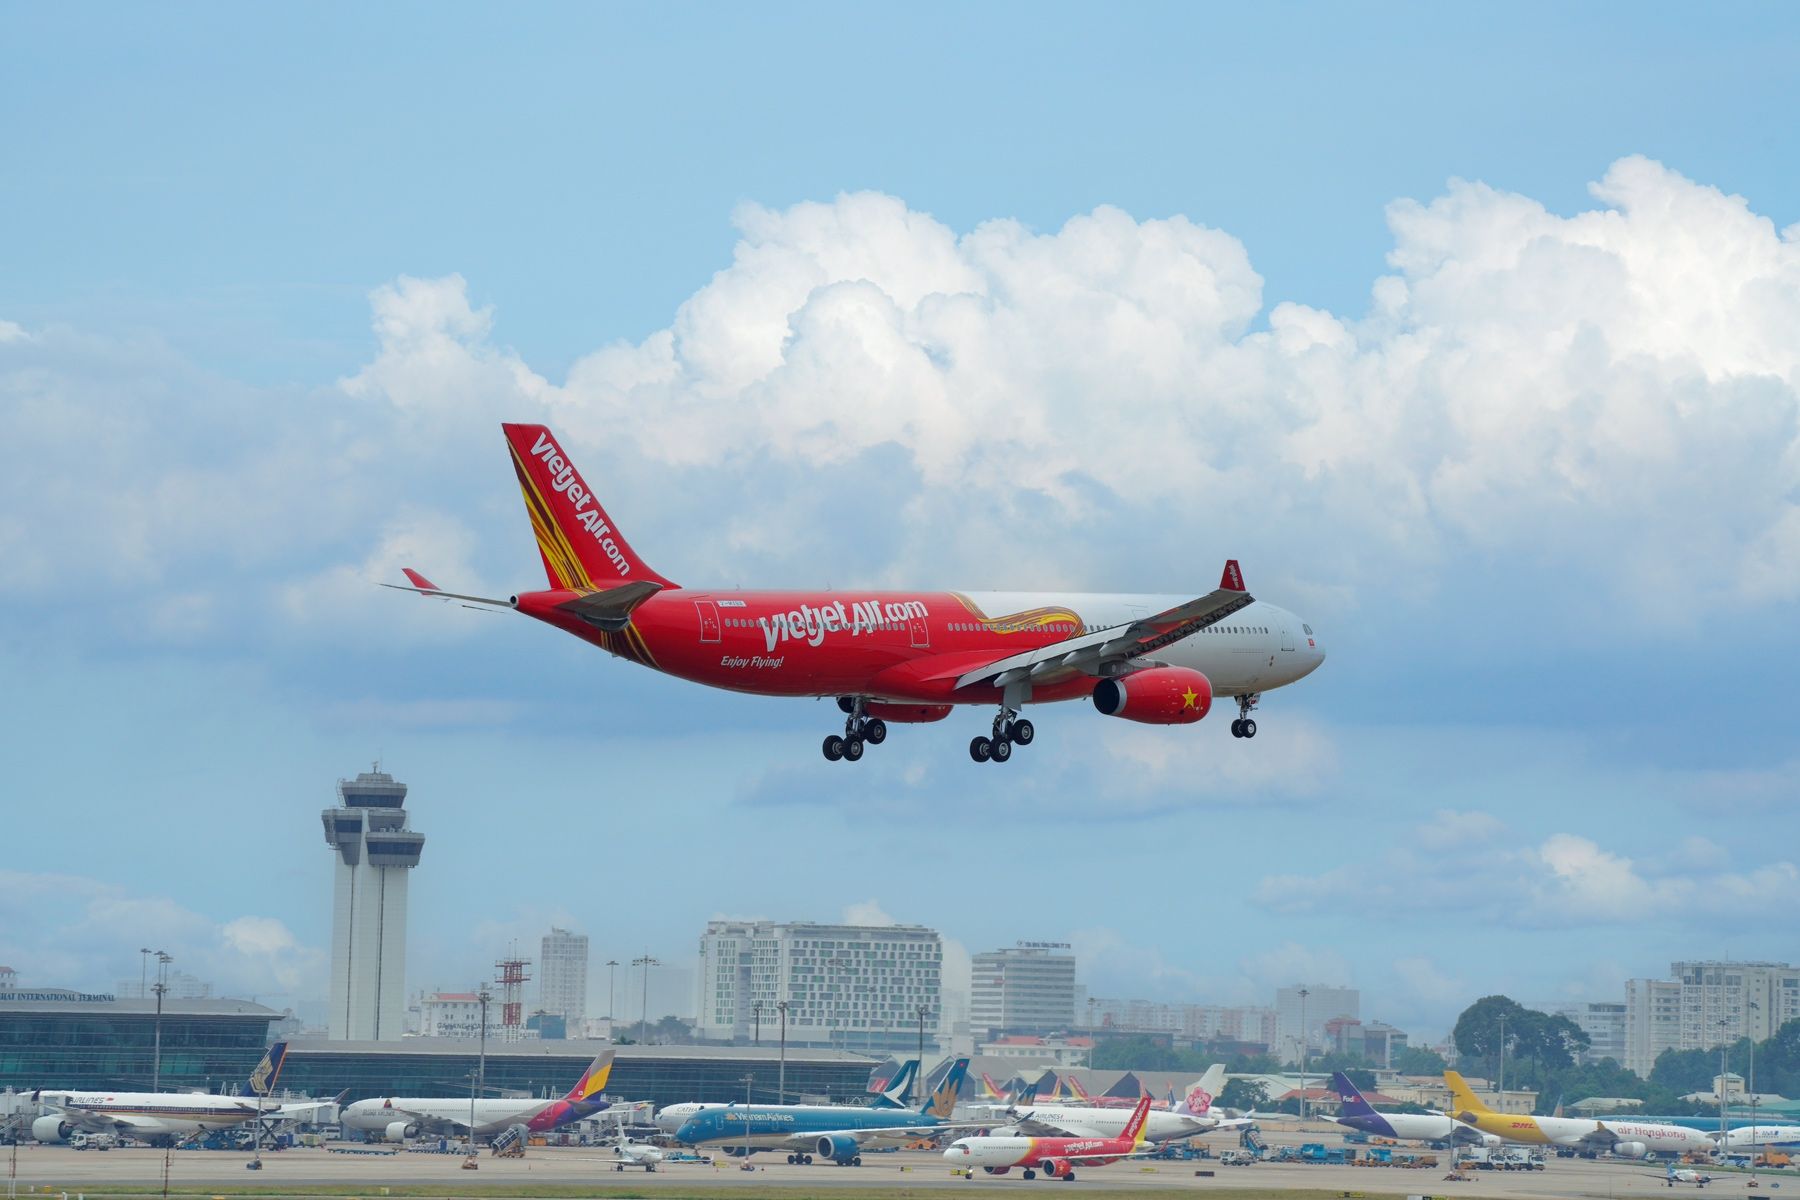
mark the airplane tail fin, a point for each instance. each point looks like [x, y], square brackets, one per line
[262, 1080]
[1204, 1090]
[1461, 1093]
[580, 545]
[1140, 1118]
[942, 1103]
[1079, 1091]
[897, 1091]
[593, 1080]
[1354, 1104]
[989, 1089]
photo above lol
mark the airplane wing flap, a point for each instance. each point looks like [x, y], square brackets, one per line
[1086, 654]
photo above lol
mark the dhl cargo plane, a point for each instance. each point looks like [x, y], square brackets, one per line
[898, 657]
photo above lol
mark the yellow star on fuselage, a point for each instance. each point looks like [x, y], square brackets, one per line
[1190, 699]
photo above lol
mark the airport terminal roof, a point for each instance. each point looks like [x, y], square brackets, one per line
[563, 1048]
[58, 1001]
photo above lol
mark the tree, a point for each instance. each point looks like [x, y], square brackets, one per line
[1417, 1060]
[1136, 1052]
[1478, 1030]
[1244, 1095]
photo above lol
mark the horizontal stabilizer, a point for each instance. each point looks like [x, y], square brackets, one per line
[611, 610]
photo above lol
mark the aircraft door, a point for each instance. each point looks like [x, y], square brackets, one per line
[1287, 636]
[709, 621]
[921, 632]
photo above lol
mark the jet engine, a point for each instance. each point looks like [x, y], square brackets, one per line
[907, 714]
[51, 1129]
[1630, 1149]
[1059, 1168]
[838, 1148]
[399, 1131]
[1158, 696]
[996, 1170]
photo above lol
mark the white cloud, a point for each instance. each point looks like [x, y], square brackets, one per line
[867, 912]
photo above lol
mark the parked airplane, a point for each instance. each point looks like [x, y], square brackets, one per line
[897, 656]
[395, 1118]
[1055, 1156]
[895, 1093]
[627, 1153]
[1357, 1113]
[161, 1116]
[834, 1132]
[1746, 1137]
[1192, 1117]
[1627, 1139]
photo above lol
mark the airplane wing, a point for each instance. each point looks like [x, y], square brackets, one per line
[1113, 1156]
[1046, 1125]
[862, 1137]
[1104, 652]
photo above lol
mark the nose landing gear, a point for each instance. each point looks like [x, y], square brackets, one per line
[859, 730]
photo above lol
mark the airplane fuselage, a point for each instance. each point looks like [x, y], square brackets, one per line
[907, 646]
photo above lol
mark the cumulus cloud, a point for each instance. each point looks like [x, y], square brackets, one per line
[73, 931]
[1563, 880]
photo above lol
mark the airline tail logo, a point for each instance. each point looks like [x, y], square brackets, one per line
[943, 1098]
[593, 1080]
[580, 546]
[1140, 1116]
[1233, 578]
[262, 1080]
[1465, 1099]
[1199, 1100]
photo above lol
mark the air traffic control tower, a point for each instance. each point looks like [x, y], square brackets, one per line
[375, 850]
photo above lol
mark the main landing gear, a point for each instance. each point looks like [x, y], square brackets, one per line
[1008, 733]
[1244, 727]
[860, 730]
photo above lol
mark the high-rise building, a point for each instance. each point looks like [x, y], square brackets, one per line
[1319, 1005]
[1706, 1004]
[1604, 1023]
[851, 986]
[1197, 1022]
[375, 851]
[563, 976]
[1026, 989]
[451, 1015]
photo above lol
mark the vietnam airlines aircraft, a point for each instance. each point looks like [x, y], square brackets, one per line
[900, 657]
[1627, 1139]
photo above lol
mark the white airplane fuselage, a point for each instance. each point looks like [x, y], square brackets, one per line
[379, 1114]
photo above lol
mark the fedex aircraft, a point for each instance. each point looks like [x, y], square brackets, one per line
[396, 1118]
[1357, 1113]
[897, 656]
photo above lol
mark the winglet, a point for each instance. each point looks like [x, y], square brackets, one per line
[1233, 579]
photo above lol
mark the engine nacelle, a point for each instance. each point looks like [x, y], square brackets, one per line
[399, 1131]
[907, 714]
[837, 1148]
[1631, 1149]
[1057, 1168]
[51, 1129]
[996, 1170]
[1158, 696]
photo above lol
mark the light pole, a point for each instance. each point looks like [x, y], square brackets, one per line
[1305, 1045]
[161, 989]
[1500, 1094]
[747, 1121]
[645, 961]
[612, 966]
[144, 972]
[1724, 1047]
[781, 1007]
[479, 1083]
[1750, 1086]
[756, 1022]
[923, 1010]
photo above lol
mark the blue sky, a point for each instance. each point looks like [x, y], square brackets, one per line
[1469, 330]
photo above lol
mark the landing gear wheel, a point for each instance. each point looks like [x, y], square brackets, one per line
[853, 748]
[1030, 1174]
[1069, 1178]
[619, 1167]
[834, 748]
[1237, 728]
[1249, 728]
[1022, 732]
[875, 731]
[1001, 750]
[980, 749]
[790, 1160]
[857, 1161]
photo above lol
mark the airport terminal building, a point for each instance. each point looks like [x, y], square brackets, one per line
[60, 1038]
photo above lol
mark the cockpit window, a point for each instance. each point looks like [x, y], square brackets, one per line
[1306, 627]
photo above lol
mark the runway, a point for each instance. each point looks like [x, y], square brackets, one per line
[573, 1171]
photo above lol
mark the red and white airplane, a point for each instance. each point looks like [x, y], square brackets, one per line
[898, 657]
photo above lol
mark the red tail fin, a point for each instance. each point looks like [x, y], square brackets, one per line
[580, 546]
[1134, 1128]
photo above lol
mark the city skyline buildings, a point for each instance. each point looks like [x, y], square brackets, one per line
[563, 976]
[1028, 988]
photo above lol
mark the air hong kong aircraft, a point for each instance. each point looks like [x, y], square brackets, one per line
[898, 657]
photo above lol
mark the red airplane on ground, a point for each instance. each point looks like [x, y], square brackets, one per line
[1056, 1157]
[898, 657]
